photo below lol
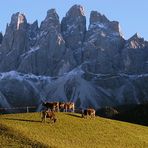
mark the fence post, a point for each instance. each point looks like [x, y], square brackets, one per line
[27, 109]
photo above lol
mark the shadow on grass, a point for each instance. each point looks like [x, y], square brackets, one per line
[18, 139]
[143, 122]
[74, 115]
[25, 120]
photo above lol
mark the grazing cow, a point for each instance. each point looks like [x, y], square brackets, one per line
[51, 105]
[69, 106]
[48, 114]
[88, 112]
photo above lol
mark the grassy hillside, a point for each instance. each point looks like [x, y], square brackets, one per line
[26, 130]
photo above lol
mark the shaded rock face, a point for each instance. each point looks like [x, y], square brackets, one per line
[64, 61]
[135, 55]
[73, 27]
[19, 89]
[103, 42]
[14, 43]
[14, 38]
[47, 53]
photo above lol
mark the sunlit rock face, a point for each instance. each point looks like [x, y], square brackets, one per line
[65, 61]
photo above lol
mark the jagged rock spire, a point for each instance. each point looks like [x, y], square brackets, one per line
[99, 21]
[74, 27]
[135, 42]
[97, 17]
[51, 21]
[18, 20]
[101, 44]
[76, 10]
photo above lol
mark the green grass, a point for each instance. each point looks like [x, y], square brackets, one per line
[70, 131]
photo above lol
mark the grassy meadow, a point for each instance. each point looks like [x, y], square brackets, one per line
[70, 131]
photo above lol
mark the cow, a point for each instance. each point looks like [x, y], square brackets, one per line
[69, 106]
[51, 105]
[48, 114]
[88, 112]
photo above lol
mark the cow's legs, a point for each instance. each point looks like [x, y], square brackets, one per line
[73, 110]
[45, 119]
[58, 109]
[66, 109]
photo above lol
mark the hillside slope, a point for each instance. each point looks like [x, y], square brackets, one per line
[69, 131]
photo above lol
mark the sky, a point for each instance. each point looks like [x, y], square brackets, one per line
[132, 14]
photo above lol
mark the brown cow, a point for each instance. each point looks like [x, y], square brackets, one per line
[88, 112]
[51, 105]
[69, 106]
[48, 114]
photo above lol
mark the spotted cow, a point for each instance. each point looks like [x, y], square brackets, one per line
[88, 113]
[54, 106]
[69, 106]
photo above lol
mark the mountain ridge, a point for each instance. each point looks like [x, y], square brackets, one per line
[74, 58]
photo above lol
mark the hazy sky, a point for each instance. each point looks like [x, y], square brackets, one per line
[132, 14]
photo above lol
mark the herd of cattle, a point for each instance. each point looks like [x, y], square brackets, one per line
[52, 107]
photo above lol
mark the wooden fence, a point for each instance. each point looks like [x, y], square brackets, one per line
[18, 109]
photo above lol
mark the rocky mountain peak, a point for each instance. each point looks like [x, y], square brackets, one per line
[95, 17]
[51, 21]
[32, 32]
[76, 10]
[100, 22]
[135, 42]
[17, 20]
[136, 36]
[73, 27]
[52, 14]
[35, 24]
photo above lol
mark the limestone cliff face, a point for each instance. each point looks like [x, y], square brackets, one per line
[73, 27]
[64, 60]
[135, 55]
[103, 45]
[45, 56]
[14, 42]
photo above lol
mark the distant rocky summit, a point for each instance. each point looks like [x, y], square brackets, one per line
[65, 61]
